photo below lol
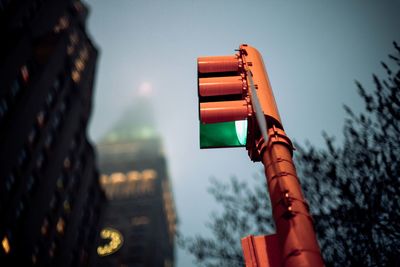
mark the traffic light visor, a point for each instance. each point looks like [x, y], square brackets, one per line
[223, 134]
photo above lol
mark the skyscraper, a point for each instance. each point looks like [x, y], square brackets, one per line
[50, 198]
[140, 210]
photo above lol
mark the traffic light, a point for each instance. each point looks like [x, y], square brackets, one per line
[223, 108]
[237, 108]
[227, 106]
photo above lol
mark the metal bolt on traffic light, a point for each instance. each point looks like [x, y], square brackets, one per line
[237, 108]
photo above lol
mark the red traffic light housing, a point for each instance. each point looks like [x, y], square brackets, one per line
[224, 96]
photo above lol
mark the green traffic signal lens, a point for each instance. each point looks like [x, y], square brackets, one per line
[241, 131]
[223, 134]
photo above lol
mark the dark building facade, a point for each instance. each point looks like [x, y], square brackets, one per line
[140, 205]
[50, 197]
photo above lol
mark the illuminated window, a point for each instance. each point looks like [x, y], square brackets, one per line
[67, 206]
[79, 64]
[60, 225]
[34, 258]
[44, 229]
[169, 208]
[74, 38]
[78, 6]
[167, 263]
[149, 174]
[117, 177]
[60, 182]
[35, 253]
[76, 76]
[53, 202]
[133, 176]
[140, 220]
[32, 135]
[25, 74]
[50, 98]
[70, 49]
[52, 249]
[103, 179]
[40, 160]
[62, 24]
[41, 118]
[6, 245]
[67, 163]
[84, 54]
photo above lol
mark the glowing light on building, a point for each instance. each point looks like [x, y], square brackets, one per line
[6, 245]
[116, 242]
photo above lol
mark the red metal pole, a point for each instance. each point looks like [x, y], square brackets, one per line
[293, 222]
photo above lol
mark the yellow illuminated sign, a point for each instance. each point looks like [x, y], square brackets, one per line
[116, 241]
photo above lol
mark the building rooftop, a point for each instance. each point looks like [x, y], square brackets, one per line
[136, 124]
[133, 136]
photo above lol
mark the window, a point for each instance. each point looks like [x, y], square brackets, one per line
[67, 206]
[140, 220]
[22, 157]
[55, 123]
[19, 209]
[3, 107]
[30, 182]
[52, 249]
[49, 140]
[41, 118]
[76, 76]
[73, 180]
[40, 161]
[67, 163]
[61, 182]
[78, 7]
[24, 74]
[50, 98]
[56, 84]
[63, 107]
[62, 24]
[5, 243]
[79, 64]
[74, 38]
[32, 136]
[35, 254]
[15, 89]
[54, 202]
[60, 227]
[72, 144]
[44, 229]
[34, 258]
[10, 180]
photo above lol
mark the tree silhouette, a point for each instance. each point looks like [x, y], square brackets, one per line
[353, 190]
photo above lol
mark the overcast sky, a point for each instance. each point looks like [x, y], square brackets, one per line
[313, 51]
